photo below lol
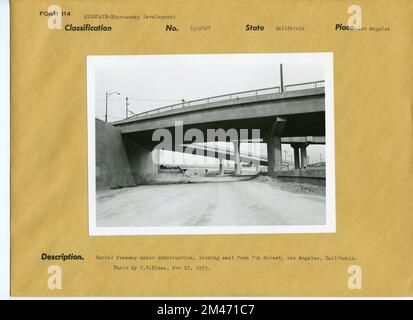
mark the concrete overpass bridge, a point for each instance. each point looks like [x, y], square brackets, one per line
[279, 115]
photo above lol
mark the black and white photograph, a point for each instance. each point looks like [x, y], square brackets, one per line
[232, 143]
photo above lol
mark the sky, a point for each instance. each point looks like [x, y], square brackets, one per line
[150, 83]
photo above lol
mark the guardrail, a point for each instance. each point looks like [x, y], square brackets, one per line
[304, 86]
[233, 96]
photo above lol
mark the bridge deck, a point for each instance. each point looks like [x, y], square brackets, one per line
[253, 96]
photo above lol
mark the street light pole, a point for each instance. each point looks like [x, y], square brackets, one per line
[107, 95]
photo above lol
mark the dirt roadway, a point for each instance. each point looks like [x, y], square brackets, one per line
[242, 203]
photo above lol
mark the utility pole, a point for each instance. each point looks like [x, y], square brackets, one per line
[106, 106]
[282, 78]
[127, 105]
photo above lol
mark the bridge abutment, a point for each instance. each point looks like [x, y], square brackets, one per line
[112, 166]
[121, 162]
[141, 162]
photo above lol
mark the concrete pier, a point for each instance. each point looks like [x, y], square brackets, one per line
[221, 165]
[237, 158]
[296, 149]
[303, 151]
[274, 150]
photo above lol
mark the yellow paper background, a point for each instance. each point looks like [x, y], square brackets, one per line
[373, 142]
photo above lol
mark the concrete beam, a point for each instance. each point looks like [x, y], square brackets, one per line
[308, 140]
[306, 95]
[243, 112]
[226, 154]
[289, 140]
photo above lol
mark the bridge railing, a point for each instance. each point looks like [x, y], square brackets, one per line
[304, 86]
[232, 96]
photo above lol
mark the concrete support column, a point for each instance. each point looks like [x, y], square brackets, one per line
[303, 149]
[274, 155]
[237, 157]
[157, 156]
[221, 165]
[274, 152]
[296, 156]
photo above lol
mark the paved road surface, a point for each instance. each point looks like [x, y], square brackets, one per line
[241, 203]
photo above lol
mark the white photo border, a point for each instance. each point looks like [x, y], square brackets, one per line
[5, 150]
